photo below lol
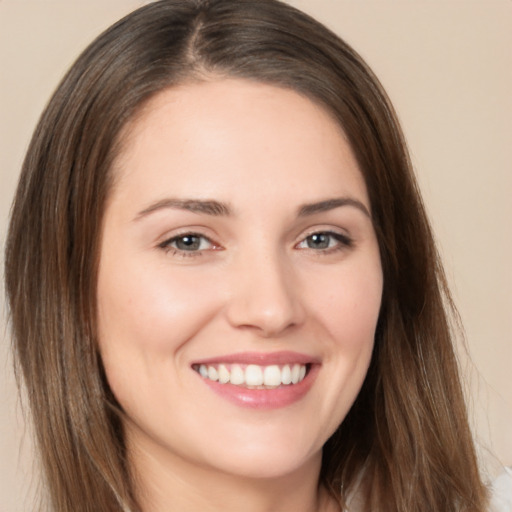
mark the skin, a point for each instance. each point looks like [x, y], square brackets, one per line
[256, 283]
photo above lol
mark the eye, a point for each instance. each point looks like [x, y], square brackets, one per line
[188, 243]
[325, 241]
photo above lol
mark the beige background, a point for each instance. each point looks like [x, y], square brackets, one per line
[447, 66]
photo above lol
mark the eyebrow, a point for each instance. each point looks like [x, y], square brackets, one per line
[331, 204]
[220, 209]
[208, 207]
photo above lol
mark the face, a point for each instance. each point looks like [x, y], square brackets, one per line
[240, 280]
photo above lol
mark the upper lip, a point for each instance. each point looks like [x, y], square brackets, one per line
[261, 358]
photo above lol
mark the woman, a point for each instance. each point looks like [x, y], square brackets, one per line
[229, 296]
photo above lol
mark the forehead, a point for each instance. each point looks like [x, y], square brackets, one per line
[204, 138]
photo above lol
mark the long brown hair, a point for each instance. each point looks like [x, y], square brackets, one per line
[407, 434]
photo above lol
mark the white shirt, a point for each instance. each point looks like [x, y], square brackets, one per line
[501, 492]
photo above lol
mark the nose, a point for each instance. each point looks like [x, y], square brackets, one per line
[265, 297]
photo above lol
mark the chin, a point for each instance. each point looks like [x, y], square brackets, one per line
[267, 457]
[269, 467]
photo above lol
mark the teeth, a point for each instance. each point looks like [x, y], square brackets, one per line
[203, 371]
[237, 375]
[295, 373]
[213, 374]
[272, 376]
[223, 374]
[286, 375]
[254, 375]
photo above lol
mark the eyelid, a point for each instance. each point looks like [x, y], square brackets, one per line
[344, 240]
[167, 243]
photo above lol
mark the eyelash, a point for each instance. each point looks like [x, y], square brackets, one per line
[342, 242]
[176, 251]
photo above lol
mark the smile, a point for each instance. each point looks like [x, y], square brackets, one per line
[253, 376]
[259, 380]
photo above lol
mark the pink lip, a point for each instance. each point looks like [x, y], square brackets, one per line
[264, 398]
[261, 358]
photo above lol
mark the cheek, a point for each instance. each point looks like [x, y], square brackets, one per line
[145, 318]
[350, 308]
[149, 310]
[347, 316]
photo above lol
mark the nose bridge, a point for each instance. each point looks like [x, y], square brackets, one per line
[264, 293]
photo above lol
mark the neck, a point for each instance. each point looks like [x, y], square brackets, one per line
[165, 483]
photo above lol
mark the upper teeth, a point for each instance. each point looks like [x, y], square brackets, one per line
[253, 374]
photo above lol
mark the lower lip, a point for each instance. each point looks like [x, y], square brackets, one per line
[264, 398]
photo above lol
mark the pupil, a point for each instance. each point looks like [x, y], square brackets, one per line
[188, 243]
[318, 241]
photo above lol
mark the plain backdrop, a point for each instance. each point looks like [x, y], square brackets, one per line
[447, 66]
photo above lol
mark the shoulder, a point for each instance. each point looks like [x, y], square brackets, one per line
[501, 492]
